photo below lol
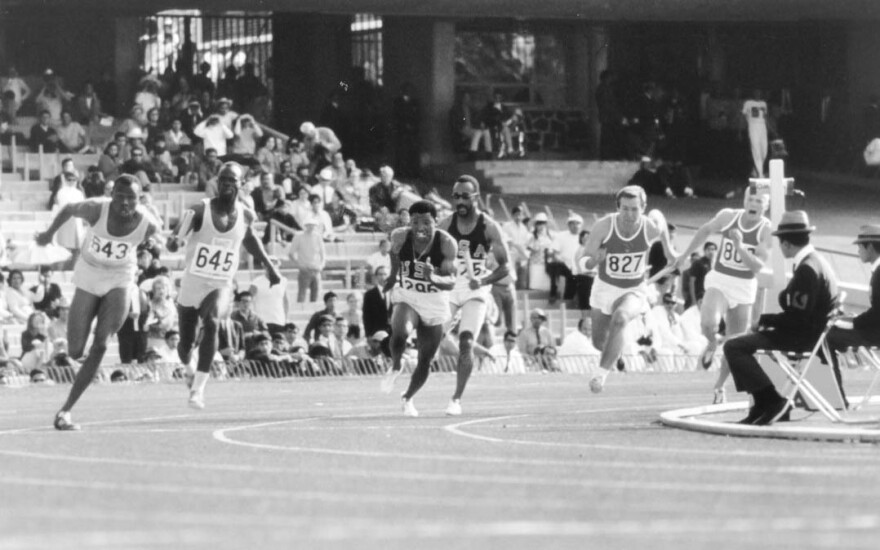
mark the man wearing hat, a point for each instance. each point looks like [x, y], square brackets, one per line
[808, 301]
[864, 328]
[565, 246]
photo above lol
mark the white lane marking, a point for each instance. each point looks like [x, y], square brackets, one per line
[387, 498]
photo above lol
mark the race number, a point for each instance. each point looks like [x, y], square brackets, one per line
[213, 262]
[625, 266]
[109, 251]
[729, 256]
[424, 287]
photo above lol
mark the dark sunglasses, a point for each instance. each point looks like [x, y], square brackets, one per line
[462, 196]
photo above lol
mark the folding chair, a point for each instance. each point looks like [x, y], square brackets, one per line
[808, 387]
[869, 357]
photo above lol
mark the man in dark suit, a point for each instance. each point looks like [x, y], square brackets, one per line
[808, 302]
[863, 329]
[377, 305]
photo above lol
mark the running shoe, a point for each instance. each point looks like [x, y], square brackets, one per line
[64, 423]
[196, 399]
[720, 397]
[597, 384]
[454, 407]
[387, 385]
[409, 409]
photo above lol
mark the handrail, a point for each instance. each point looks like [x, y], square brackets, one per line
[273, 132]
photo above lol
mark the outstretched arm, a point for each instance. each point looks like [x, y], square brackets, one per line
[88, 210]
[190, 220]
[715, 225]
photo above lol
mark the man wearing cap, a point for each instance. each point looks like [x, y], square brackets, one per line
[807, 303]
[732, 285]
[618, 246]
[864, 328]
[478, 236]
[565, 246]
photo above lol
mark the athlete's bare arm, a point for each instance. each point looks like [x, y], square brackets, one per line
[88, 210]
[655, 232]
[754, 261]
[445, 278]
[255, 247]
[593, 249]
[398, 236]
[721, 220]
[190, 221]
[499, 251]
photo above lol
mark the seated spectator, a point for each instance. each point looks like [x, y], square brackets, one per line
[43, 134]
[328, 311]
[52, 97]
[296, 154]
[140, 165]
[268, 155]
[670, 335]
[579, 342]
[163, 312]
[94, 182]
[383, 195]
[53, 299]
[353, 314]
[15, 92]
[250, 322]
[508, 358]
[20, 301]
[291, 334]
[162, 162]
[61, 367]
[72, 137]
[207, 171]
[301, 208]
[265, 196]
[5, 315]
[339, 344]
[86, 108]
[214, 134]
[7, 134]
[369, 355]
[167, 350]
[308, 254]
[319, 145]
[175, 137]
[136, 120]
[36, 330]
[538, 341]
[246, 132]
[110, 162]
[321, 218]
[231, 341]
[261, 349]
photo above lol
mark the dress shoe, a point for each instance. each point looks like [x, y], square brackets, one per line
[755, 413]
[777, 411]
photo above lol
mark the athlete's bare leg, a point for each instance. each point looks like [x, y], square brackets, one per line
[429, 339]
[737, 320]
[403, 320]
[628, 308]
[713, 308]
[213, 308]
[110, 311]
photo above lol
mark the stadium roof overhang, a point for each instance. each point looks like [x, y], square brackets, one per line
[588, 10]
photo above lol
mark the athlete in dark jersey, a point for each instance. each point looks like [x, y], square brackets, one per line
[477, 235]
[422, 270]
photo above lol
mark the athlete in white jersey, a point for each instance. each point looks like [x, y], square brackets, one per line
[477, 236]
[104, 276]
[618, 245]
[732, 285]
[214, 231]
[422, 273]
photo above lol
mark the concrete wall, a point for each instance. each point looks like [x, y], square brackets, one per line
[421, 52]
[311, 55]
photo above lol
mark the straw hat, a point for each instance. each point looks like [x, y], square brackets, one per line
[795, 221]
[868, 234]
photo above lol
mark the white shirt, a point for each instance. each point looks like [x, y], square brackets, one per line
[517, 235]
[755, 112]
[566, 244]
[377, 259]
[214, 136]
[577, 343]
[269, 300]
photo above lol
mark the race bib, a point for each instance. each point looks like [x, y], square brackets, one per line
[109, 251]
[214, 262]
[625, 266]
[417, 285]
[729, 256]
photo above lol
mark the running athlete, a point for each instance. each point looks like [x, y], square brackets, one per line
[618, 244]
[104, 276]
[422, 269]
[732, 284]
[477, 236]
[219, 227]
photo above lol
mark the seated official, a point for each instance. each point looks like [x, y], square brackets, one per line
[863, 329]
[808, 302]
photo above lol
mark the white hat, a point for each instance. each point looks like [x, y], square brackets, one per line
[575, 218]
[307, 128]
[540, 217]
[326, 174]
[379, 335]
